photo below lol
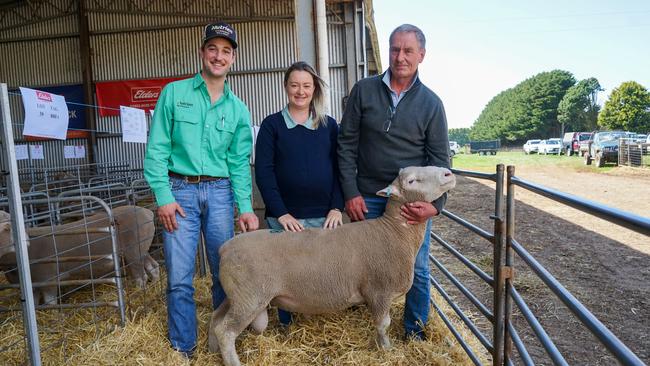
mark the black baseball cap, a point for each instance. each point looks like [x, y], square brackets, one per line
[220, 29]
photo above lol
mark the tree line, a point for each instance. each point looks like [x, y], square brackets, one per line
[553, 102]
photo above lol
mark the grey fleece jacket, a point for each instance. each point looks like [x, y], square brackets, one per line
[369, 157]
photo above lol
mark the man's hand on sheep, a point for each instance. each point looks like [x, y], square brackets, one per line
[334, 218]
[167, 215]
[418, 212]
[356, 208]
[289, 223]
[248, 222]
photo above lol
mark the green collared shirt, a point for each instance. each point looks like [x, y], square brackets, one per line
[191, 136]
[289, 121]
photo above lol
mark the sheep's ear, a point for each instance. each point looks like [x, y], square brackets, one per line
[388, 191]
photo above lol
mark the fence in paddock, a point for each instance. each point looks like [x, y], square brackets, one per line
[501, 334]
[83, 310]
[634, 153]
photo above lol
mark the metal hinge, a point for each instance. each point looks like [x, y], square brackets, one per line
[507, 272]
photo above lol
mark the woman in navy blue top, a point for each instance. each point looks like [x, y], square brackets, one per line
[296, 166]
[295, 157]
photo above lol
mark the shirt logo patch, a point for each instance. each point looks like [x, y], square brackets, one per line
[182, 104]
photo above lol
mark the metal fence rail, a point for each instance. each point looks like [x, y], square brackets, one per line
[504, 292]
[633, 153]
[495, 315]
[637, 223]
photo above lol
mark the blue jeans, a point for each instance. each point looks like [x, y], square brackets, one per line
[285, 316]
[416, 309]
[208, 209]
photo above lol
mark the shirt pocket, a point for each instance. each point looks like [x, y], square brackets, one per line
[185, 124]
[223, 134]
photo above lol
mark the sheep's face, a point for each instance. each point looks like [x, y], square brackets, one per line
[420, 184]
[6, 237]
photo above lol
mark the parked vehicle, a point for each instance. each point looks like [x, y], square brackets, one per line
[571, 142]
[531, 146]
[454, 148]
[603, 148]
[484, 147]
[584, 144]
[550, 146]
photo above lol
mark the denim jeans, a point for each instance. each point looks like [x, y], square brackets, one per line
[285, 316]
[416, 309]
[209, 210]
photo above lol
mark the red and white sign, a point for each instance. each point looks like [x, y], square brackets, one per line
[142, 94]
[43, 96]
[46, 115]
[147, 94]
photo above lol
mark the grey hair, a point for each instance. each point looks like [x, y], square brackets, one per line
[410, 28]
[317, 105]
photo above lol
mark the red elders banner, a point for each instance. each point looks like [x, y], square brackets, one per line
[141, 94]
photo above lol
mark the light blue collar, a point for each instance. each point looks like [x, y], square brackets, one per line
[289, 121]
[396, 98]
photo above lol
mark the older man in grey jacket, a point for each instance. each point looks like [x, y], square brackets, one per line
[392, 121]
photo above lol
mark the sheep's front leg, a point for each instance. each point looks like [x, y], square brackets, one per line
[379, 309]
[382, 322]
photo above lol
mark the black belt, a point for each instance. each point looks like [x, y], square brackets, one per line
[195, 178]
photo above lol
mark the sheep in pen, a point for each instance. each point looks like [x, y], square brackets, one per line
[332, 338]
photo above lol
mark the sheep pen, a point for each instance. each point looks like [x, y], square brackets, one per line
[340, 338]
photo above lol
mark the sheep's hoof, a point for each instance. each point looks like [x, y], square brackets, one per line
[141, 283]
[383, 343]
[155, 274]
[213, 342]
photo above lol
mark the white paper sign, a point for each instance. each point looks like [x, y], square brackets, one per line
[21, 152]
[134, 124]
[74, 152]
[80, 151]
[46, 114]
[68, 152]
[36, 151]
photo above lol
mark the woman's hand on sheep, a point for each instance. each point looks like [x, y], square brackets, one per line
[334, 218]
[289, 223]
[418, 212]
[167, 215]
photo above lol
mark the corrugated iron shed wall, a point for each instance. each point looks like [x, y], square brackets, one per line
[39, 46]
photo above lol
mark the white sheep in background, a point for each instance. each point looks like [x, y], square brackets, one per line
[6, 240]
[135, 230]
[318, 271]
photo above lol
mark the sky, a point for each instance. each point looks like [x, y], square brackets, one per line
[476, 49]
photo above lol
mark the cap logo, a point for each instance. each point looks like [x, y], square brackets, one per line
[221, 28]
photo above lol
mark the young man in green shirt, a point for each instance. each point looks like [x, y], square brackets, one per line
[197, 163]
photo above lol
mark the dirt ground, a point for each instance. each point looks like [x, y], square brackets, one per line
[605, 266]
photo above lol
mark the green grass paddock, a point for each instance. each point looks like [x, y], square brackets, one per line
[487, 163]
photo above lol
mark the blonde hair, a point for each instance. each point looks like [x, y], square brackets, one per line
[317, 104]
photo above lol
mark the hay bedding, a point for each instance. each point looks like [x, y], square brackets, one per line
[335, 339]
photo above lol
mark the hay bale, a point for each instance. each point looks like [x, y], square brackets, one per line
[93, 337]
[341, 338]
